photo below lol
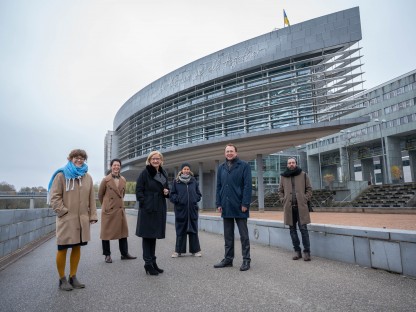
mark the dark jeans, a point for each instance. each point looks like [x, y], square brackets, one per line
[194, 246]
[149, 249]
[122, 244]
[303, 231]
[229, 237]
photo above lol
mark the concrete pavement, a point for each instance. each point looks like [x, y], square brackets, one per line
[274, 283]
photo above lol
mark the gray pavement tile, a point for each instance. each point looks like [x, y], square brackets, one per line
[274, 282]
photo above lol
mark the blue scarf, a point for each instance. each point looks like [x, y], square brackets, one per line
[71, 172]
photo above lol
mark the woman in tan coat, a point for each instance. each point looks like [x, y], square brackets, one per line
[72, 197]
[113, 216]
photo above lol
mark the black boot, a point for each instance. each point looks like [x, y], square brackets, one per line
[297, 255]
[157, 268]
[150, 269]
[245, 266]
[306, 256]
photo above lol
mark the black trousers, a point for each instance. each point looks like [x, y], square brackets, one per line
[122, 244]
[149, 249]
[303, 231]
[229, 237]
[194, 246]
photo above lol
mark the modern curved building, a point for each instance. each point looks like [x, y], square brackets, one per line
[275, 91]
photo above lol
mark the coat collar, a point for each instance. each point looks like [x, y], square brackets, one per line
[109, 179]
[152, 171]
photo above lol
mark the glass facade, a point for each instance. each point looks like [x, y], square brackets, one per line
[297, 91]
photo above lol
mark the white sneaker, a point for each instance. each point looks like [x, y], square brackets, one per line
[175, 255]
[198, 254]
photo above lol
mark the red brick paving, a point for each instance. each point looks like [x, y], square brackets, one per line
[386, 221]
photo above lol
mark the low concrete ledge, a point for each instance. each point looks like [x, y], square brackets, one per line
[390, 250]
[20, 227]
[398, 210]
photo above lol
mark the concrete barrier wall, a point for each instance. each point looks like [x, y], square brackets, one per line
[19, 227]
[390, 250]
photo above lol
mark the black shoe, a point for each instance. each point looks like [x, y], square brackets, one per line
[150, 269]
[157, 268]
[245, 266]
[108, 259]
[128, 257]
[224, 263]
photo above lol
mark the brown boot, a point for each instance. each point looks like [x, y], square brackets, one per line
[297, 256]
[306, 256]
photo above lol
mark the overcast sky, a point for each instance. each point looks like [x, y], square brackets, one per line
[66, 67]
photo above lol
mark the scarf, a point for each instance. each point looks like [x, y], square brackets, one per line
[185, 178]
[71, 172]
[230, 163]
[291, 173]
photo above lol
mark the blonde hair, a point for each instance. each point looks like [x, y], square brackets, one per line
[151, 154]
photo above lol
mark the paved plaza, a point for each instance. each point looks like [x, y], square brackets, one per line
[394, 221]
[274, 282]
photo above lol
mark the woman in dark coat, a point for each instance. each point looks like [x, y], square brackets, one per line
[151, 193]
[185, 194]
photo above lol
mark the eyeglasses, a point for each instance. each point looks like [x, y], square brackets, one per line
[155, 159]
[79, 158]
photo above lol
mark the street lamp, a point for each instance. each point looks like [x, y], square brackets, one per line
[298, 147]
[319, 161]
[347, 142]
[384, 171]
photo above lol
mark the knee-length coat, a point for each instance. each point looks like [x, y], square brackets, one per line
[113, 215]
[303, 194]
[151, 217]
[185, 196]
[74, 209]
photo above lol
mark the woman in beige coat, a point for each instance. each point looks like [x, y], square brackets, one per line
[72, 197]
[113, 216]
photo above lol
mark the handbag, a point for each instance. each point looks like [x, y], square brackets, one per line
[308, 202]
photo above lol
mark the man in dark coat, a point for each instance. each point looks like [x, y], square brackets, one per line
[233, 201]
[294, 193]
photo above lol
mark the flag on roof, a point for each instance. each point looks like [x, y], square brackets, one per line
[285, 19]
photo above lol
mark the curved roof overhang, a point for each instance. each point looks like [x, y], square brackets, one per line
[249, 146]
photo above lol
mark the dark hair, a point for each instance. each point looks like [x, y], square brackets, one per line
[185, 164]
[231, 144]
[77, 153]
[113, 160]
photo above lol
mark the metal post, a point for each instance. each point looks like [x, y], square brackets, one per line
[319, 161]
[320, 169]
[383, 154]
